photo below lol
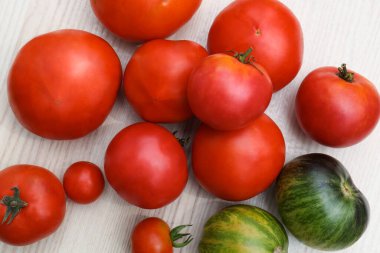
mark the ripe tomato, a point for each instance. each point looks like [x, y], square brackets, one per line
[238, 165]
[227, 93]
[144, 20]
[155, 80]
[83, 182]
[33, 204]
[153, 235]
[146, 165]
[63, 84]
[270, 28]
[337, 107]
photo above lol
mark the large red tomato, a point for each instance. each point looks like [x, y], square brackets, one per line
[238, 165]
[337, 107]
[227, 93]
[146, 165]
[142, 20]
[153, 235]
[270, 28]
[33, 204]
[63, 84]
[155, 79]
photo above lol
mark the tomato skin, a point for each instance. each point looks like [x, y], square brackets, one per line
[151, 235]
[83, 182]
[146, 165]
[226, 94]
[46, 200]
[335, 112]
[155, 80]
[144, 20]
[51, 73]
[238, 165]
[267, 26]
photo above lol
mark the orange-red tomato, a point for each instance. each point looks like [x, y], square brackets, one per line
[227, 94]
[39, 197]
[83, 182]
[335, 110]
[267, 26]
[63, 84]
[153, 235]
[146, 165]
[155, 80]
[238, 165]
[142, 20]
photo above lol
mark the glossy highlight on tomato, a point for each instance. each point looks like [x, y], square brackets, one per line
[63, 84]
[156, 77]
[33, 204]
[144, 20]
[237, 165]
[270, 28]
[146, 165]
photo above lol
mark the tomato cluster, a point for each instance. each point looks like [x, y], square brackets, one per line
[63, 84]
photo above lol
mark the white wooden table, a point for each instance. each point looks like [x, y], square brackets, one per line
[335, 32]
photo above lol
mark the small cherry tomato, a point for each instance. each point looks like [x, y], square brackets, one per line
[153, 235]
[146, 165]
[32, 206]
[226, 92]
[142, 20]
[270, 28]
[155, 79]
[237, 165]
[337, 107]
[83, 182]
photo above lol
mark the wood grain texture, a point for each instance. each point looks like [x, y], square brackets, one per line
[335, 32]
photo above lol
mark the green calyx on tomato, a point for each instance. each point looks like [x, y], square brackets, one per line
[175, 235]
[183, 141]
[345, 74]
[14, 205]
[245, 57]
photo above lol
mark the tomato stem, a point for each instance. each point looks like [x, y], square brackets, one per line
[182, 141]
[175, 235]
[245, 57]
[345, 74]
[14, 205]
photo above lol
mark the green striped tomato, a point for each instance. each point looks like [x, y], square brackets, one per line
[243, 229]
[319, 203]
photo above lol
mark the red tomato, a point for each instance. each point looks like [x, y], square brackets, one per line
[270, 28]
[337, 107]
[238, 165]
[37, 203]
[155, 80]
[153, 235]
[144, 19]
[227, 94]
[63, 84]
[83, 182]
[146, 165]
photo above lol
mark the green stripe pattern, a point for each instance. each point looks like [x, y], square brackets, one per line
[319, 203]
[243, 229]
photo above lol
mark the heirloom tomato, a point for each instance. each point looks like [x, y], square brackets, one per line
[267, 26]
[337, 107]
[63, 84]
[32, 206]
